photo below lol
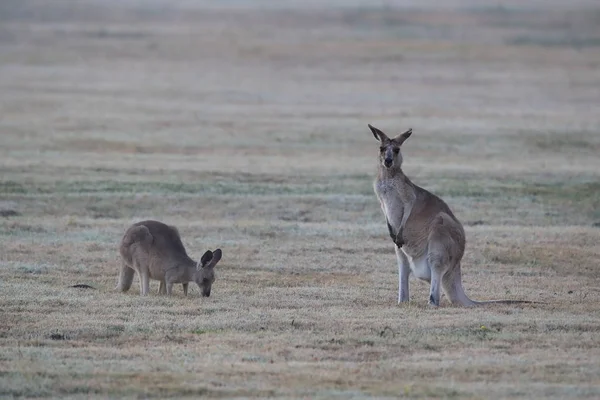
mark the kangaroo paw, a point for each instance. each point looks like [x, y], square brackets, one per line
[398, 239]
[391, 232]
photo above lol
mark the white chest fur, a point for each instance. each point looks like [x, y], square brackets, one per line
[419, 266]
[391, 202]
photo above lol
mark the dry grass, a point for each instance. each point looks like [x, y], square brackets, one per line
[246, 128]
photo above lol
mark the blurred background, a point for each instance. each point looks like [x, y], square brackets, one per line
[244, 124]
[502, 82]
[203, 99]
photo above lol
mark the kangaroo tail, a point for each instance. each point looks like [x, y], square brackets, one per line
[452, 285]
[480, 303]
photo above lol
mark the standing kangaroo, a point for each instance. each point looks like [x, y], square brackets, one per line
[429, 239]
[154, 250]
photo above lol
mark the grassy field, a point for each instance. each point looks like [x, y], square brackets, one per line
[245, 125]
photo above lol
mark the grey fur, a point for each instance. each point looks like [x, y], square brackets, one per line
[154, 250]
[429, 240]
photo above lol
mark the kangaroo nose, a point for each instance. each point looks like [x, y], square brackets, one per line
[388, 162]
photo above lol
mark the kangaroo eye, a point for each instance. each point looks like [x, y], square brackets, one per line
[396, 150]
[382, 149]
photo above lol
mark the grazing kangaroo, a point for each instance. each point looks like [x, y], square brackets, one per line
[429, 239]
[154, 250]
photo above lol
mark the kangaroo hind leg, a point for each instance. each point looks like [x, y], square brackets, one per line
[436, 268]
[438, 262]
[125, 277]
[144, 283]
[144, 277]
[445, 249]
[162, 289]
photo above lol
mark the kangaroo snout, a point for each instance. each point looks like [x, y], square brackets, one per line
[388, 162]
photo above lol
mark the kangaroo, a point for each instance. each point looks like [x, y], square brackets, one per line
[429, 240]
[154, 250]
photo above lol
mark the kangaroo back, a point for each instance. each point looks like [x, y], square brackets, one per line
[166, 239]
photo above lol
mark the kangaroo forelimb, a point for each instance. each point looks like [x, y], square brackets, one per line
[396, 238]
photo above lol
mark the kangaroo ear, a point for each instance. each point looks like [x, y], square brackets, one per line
[206, 258]
[379, 135]
[215, 259]
[403, 136]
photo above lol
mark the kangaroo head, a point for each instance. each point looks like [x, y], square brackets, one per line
[205, 271]
[389, 151]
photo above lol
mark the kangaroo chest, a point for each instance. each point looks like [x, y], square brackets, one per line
[396, 199]
[391, 200]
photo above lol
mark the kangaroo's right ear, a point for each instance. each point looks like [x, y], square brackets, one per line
[206, 258]
[379, 135]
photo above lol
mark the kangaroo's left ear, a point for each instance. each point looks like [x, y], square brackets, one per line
[205, 259]
[403, 136]
[379, 135]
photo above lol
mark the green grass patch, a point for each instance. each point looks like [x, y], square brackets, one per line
[12, 187]
[349, 185]
[555, 41]
[581, 197]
